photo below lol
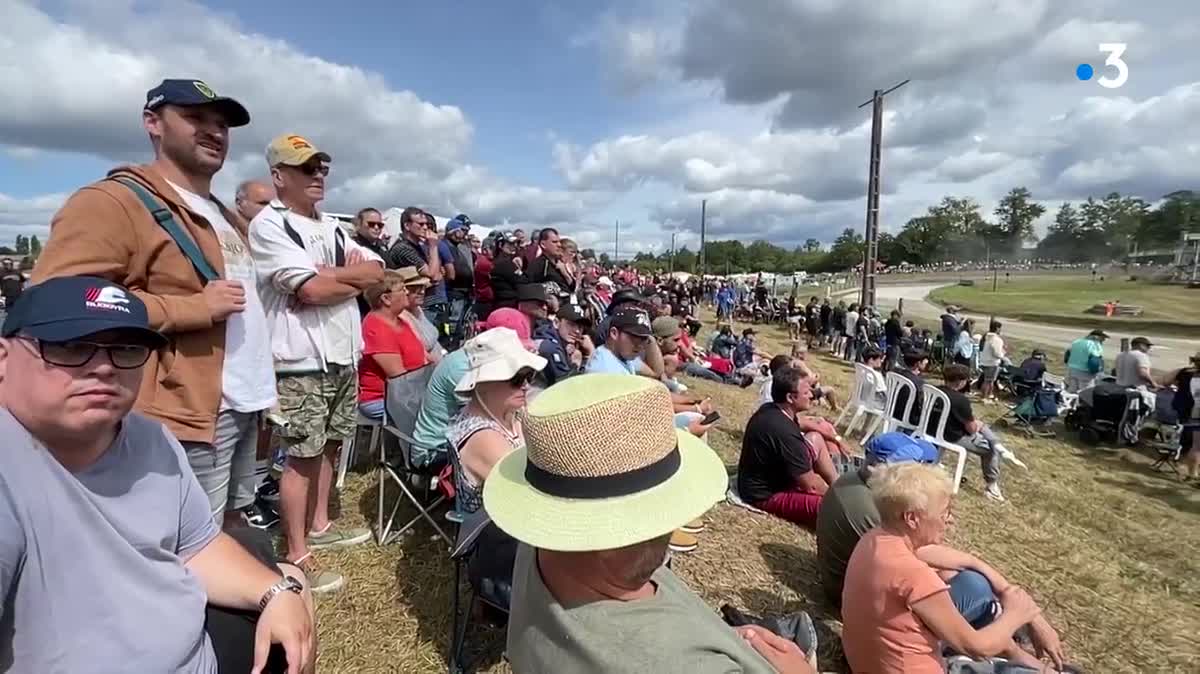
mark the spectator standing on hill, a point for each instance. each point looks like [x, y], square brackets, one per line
[419, 246]
[197, 279]
[991, 359]
[1133, 366]
[251, 197]
[1084, 360]
[506, 273]
[311, 274]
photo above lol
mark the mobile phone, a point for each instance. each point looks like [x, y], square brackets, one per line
[711, 418]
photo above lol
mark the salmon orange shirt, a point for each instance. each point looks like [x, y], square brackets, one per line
[880, 632]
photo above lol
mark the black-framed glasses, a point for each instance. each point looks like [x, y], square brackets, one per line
[78, 353]
[374, 225]
[522, 378]
[314, 169]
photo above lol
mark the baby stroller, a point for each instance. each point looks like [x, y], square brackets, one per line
[1037, 405]
[1107, 412]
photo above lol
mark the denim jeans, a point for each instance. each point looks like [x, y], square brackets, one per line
[973, 597]
[373, 409]
[225, 467]
[698, 370]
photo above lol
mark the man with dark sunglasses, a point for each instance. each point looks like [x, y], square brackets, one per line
[312, 273]
[368, 233]
[105, 533]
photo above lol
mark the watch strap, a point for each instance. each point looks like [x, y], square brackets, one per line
[285, 584]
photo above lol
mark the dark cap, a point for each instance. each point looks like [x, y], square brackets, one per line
[623, 297]
[196, 92]
[749, 331]
[569, 311]
[69, 307]
[631, 319]
[1141, 340]
[533, 292]
[1098, 333]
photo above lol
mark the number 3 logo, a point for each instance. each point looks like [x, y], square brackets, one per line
[1114, 51]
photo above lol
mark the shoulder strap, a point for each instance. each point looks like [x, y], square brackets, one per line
[165, 219]
[339, 240]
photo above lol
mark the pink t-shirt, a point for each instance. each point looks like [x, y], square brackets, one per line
[880, 632]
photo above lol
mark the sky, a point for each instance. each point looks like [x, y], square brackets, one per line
[580, 115]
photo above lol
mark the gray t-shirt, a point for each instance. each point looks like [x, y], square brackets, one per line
[92, 563]
[674, 631]
[1127, 367]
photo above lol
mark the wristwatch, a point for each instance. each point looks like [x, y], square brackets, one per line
[285, 584]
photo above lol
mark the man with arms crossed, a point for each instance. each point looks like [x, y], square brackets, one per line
[108, 550]
[310, 274]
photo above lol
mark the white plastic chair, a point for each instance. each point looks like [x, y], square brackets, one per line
[862, 406]
[934, 395]
[892, 421]
[350, 446]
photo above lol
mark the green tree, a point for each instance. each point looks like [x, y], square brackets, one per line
[1014, 219]
[35, 247]
[846, 252]
[812, 246]
[22, 244]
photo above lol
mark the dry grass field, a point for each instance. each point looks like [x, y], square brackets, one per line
[1110, 549]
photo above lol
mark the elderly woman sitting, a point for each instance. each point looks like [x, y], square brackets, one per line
[896, 608]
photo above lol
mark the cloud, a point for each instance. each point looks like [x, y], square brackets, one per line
[27, 216]
[82, 81]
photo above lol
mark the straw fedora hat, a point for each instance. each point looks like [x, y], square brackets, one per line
[496, 355]
[603, 467]
[412, 278]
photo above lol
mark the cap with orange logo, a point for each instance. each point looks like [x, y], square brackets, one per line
[292, 150]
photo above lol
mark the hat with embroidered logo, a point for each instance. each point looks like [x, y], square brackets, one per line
[196, 92]
[292, 150]
[70, 307]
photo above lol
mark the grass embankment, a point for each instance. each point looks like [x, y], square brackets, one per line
[1167, 309]
[1108, 548]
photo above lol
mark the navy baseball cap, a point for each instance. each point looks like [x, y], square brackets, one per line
[70, 307]
[631, 319]
[196, 92]
[896, 447]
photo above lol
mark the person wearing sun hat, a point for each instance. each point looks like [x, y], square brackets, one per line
[603, 479]
[500, 369]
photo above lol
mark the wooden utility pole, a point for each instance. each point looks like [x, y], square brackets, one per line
[703, 254]
[871, 235]
[617, 243]
[672, 263]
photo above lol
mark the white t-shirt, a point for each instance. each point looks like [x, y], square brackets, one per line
[992, 352]
[247, 375]
[304, 337]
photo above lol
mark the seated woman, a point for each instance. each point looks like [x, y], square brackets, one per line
[896, 608]
[390, 345]
[487, 429]
[426, 330]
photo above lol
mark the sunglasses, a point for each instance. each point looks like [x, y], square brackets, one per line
[78, 353]
[374, 225]
[522, 378]
[313, 169]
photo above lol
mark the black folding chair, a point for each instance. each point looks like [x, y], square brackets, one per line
[471, 526]
[404, 395]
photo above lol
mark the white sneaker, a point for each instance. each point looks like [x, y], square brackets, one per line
[992, 491]
[1007, 454]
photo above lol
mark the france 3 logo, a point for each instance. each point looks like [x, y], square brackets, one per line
[1085, 71]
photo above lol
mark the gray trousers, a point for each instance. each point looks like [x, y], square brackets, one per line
[983, 444]
[225, 468]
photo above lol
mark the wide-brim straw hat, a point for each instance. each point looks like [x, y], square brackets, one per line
[496, 355]
[603, 467]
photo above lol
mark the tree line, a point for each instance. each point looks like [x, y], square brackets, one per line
[956, 229]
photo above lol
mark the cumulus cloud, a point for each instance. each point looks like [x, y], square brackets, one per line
[82, 81]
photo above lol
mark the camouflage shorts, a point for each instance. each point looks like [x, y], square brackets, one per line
[318, 407]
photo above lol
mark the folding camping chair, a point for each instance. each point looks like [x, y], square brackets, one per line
[349, 452]
[470, 527]
[404, 394]
[937, 438]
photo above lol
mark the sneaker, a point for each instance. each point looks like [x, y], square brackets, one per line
[260, 516]
[693, 527]
[269, 490]
[682, 541]
[320, 581]
[992, 491]
[333, 538]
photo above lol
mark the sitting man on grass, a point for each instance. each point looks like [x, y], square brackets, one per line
[784, 470]
[593, 496]
[807, 422]
[848, 512]
[108, 549]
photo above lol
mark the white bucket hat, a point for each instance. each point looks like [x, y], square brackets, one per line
[496, 355]
[605, 281]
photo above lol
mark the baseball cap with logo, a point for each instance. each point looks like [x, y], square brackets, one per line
[70, 307]
[292, 150]
[196, 92]
[569, 311]
[631, 319]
